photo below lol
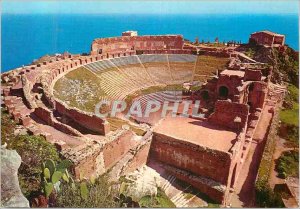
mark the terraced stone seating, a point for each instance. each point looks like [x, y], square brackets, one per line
[124, 75]
[182, 58]
[138, 75]
[123, 61]
[99, 66]
[159, 73]
[153, 58]
[157, 67]
[182, 66]
[161, 97]
[133, 68]
[116, 84]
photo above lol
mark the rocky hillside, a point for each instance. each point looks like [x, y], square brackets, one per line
[284, 60]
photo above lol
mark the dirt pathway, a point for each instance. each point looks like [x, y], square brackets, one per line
[244, 194]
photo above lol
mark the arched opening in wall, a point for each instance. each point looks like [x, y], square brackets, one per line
[100, 51]
[250, 104]
[233, 177]
[223, 92]
[205, 95]
[107, 56]
[251, 87]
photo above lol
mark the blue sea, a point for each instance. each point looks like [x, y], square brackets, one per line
[28, 37]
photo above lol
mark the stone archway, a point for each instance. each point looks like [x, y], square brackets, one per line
[251, 87]
[223, 92]
[205, 95]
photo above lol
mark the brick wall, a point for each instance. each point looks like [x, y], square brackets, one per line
[201, 161]
[90, 166]
[116, 149]
[89, 121]
[212, 189]
[47, 116]
[267, 39]
[225, 113]
[252, 75]
[140, 157]
[125, 43]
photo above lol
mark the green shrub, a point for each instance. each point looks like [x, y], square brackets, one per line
[288, 164]
[161, 200]
[98, 195]
[289, 117]
[33, 151]
[266, 197]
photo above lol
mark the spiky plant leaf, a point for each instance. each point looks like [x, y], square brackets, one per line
[67, 173]
[50, 164]
[92, 180]
[84, 190]
[80, 176]
[46, 173]
[56, 176]
[48, 188]
[73, 186]
[63, 165]
[71, 179]
[43, 166]
[65, 177]
[45, 180]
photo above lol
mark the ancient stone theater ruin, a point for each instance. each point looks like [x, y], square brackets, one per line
[56, 98]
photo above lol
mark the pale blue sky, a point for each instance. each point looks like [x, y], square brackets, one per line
[152, 7]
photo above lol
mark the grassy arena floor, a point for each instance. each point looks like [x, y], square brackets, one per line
[208, 65]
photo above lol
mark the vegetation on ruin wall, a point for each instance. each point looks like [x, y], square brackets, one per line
[79, 88]
[160, 200]
[208, 65]
[288, 164]
[191, 191]
[99, 194]
[287, 65]
[284, 62]
[116, 123]
[289, 117]
[33, 151]
[265, 196]
[102, 194]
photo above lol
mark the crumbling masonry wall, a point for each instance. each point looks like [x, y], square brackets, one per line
[115, 150]
[131, 43]
[204, 168]
[228, 114]
[89, 121]
[194, 158]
